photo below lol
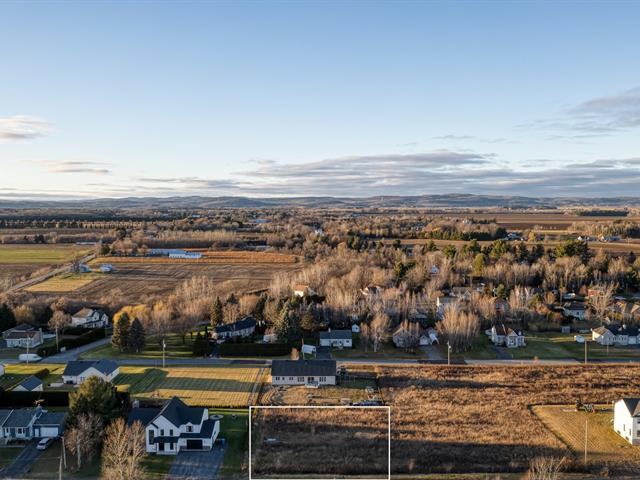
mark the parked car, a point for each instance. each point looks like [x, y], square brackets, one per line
[44, 443]
[29, 357]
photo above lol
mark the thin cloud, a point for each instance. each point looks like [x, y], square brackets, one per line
[75, 166]
[22, 127]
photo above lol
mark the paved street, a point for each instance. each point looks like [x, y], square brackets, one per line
[197, 465]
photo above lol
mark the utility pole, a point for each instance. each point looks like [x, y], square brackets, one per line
[448, 353]
[164, 345]
[586, 429]
[64, 453]
[585, 351]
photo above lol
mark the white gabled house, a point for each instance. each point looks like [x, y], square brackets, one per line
[442, 303]
[336, 338]
[29, 384]
[90, 318]
[506, 337]
[77, 371]
[23, 336]
[303, 372]
[575, 309]
[612, 335]
[626, 419]
[176, 427]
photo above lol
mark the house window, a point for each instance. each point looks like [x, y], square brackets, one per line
[20, 431]
[301, 379]
[162, 432]
[189, 428]
[151, 435]
[171, 432]
[323, 379]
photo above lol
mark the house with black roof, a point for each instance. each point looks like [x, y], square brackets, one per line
[77, 371]
[29, 384]
[626, 419]
[176, 427]
[303, 372]
[242, 328]
[336, 338]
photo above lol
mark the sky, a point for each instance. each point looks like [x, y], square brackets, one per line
[358, 98]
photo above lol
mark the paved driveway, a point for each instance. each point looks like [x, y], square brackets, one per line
[197, 465]
[22, 463]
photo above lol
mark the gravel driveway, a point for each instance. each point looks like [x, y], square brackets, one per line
[197, 465]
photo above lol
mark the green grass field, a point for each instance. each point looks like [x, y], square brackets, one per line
[40, 254]
[236, 433]
[202, 386]
[559, 345]
[67, 282]
[175, 349]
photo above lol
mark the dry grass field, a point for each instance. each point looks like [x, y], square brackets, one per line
[478, 419]
[64, 283]
[604, 446]
[318, 442]
[224, 257]
[200, 386]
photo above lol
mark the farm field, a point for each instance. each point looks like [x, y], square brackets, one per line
[604, 446]
[471, 419]
[67, 282]
[137, 281]
[339, 442]
[199, 386]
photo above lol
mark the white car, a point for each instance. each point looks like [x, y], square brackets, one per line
[44, 443]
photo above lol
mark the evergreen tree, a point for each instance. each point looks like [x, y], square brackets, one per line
[7, 318]
[136, 336]
[120, 338]
[94, 396]
[217, 313]
[478, 264]
[258, 309]
[286, 325]
[201, 346]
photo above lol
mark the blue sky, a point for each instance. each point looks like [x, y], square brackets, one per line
[330, 98]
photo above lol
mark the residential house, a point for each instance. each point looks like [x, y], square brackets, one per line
[501, 305]
[442, 303]
[303, 372]
[626, 419]
[506, 337]
[23, 336]
[627, 311]
[355, 328]
[242, 328]
[462, 293]
[90, 318]
[106, 268]
[372, 290]
[29, 384]
[186, 255]
[28, 423]
[407, 334]
[176, 427]
[575, 309]
[613, 335]
[77, 371]
[336, 338]
[429, 337]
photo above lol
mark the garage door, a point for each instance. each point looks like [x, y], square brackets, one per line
[48, 431]
[194, 444]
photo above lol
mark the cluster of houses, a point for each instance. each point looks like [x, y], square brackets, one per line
[174, 253]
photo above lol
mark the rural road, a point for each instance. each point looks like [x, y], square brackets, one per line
[52, 273]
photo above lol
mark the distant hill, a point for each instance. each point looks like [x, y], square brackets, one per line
[420, 201]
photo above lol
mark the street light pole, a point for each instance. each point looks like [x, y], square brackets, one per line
[448, 353]
[164, 345]
[585, 351]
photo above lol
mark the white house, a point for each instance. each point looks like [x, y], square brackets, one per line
[574, 309]
[242, 328]
[507, 337]
[23, 336]
[29, 384]
[303, 372]
[186, 255]
[626, 419]
[90, 318]
[442, 303]
[77, 371]
[106, 268]
[176, 427]
[28, 423]
[612, 335]
[336, 338]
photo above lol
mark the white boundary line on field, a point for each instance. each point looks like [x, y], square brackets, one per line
[310, 407]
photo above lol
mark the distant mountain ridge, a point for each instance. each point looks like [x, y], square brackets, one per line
[388, 201]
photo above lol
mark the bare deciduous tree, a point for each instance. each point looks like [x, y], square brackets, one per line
[545, 468]
[124, 449]
[83, 438]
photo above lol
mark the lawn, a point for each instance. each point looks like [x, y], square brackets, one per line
[603, 444]
[153, 349]
[385, 351]
[68, 282]
[201, 386]
[40, 254]
[7, 454]
[15, 373]
[481, 349]
[236, 433]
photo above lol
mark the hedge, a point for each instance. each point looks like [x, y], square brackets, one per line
[255, 349]
[87, 337]
[42, 373]
[11, 399]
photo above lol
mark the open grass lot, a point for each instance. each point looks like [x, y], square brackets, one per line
[8, 453]
[234, 428]
[386, 351]
[558, 346]
[604, 446]
[201, 386]
[15, 373]
[478, 419]
[153, 349]
[313, 442]
[40, 254]
[67, 282]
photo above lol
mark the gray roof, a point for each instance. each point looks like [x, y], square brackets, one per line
[336, 335]
[633, 405]
[50, 418]
[303, 368]
[30, 383]
[76, 367]
[4, 414]
[246, 322]
[20, 418]
[143, 415]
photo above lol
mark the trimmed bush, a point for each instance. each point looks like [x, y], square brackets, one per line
[255, 349]
[42, 373]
